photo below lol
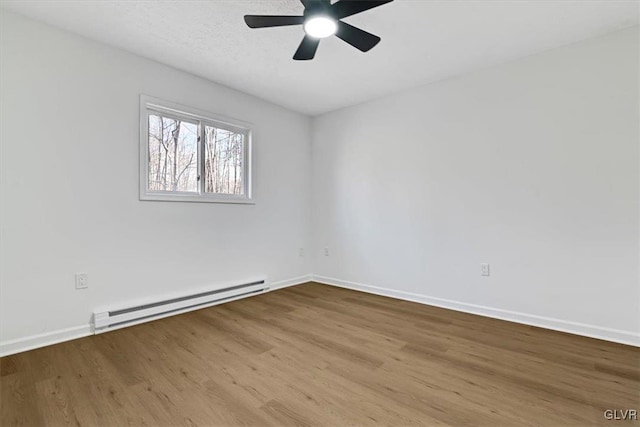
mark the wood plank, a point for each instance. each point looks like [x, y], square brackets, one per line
[317, 355]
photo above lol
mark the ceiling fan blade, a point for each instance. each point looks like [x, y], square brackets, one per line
[356, 37]
[307, 49]
[262, 21]
[345, 8]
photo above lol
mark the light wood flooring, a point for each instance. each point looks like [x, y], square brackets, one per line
[315, 355]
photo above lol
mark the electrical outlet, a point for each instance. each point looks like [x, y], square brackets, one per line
[301, 252]
[82, 281]
[484, 269]
[326, 251]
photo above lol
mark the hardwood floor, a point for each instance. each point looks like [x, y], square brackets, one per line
[315, 355]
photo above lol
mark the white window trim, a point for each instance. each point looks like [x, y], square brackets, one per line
[171, 109]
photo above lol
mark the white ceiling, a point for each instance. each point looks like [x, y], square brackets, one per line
[422, 41]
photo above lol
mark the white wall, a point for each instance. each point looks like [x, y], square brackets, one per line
[531, 166]
[69, 194]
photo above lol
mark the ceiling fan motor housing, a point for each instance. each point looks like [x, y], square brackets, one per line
[318, 8]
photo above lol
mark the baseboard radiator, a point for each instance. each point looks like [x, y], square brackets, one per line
[115, 319]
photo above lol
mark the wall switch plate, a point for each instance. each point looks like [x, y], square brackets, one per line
[301, 252]
[326, 251]
[82, 281]
[484, 269]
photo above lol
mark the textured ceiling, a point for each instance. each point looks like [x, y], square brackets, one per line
[422, 41]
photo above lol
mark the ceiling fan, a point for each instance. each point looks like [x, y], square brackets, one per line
[322, 19]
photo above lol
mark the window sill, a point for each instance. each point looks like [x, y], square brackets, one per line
[195, 199]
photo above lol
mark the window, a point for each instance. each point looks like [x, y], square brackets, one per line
[187, 155]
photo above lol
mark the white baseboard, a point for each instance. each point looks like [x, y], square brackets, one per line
[41, 340]
[624, 337]
[290, 282]
[592, 331]
[54, 337]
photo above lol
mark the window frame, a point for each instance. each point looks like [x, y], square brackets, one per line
[150, 105]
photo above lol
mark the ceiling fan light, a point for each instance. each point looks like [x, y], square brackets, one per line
[320, 27]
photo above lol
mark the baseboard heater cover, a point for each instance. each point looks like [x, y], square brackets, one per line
[115, 319]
